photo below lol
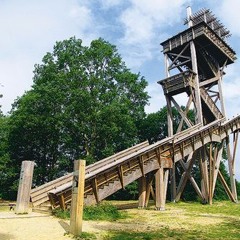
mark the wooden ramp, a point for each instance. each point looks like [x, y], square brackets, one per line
[107, 176]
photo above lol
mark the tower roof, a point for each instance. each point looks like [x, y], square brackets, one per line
[206, 15]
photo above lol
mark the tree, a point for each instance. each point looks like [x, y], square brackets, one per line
[84, 103]
[8, 169]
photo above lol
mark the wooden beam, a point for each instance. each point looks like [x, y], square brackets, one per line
[190, 99]
[235, 142]
[228, 191]
[166, 176]
[177, 57]
[95, 189]
[120, 174]
[216, 167]
[159, 185]
[24, 187]
[204, 173]
[209, 81]
[231, 168]
[150, 178]
[210, 173]
[185, 176]
[61, 200]
[77, 197]
[183, 115]
[142, 192]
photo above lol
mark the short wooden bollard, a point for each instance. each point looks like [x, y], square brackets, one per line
[24, 188]
[77, 197]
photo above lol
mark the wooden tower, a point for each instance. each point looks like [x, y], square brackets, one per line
[194, 65]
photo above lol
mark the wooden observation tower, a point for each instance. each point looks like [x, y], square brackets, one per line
[194, 65]
[195, 60]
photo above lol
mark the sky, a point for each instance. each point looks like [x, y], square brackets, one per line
[30, 28]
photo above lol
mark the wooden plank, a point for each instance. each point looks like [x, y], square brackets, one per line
[159, 185]
[142, 192]
[24, 187]
[77, 198]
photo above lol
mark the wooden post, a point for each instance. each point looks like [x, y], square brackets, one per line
[142, 192]
[77, 197]
[159, 184]
[24, 187]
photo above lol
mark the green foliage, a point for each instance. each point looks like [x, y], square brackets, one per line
[85, 236]
[8, 168]
[103, 211]
[84, 104]
[130, 192]
[63, 214]
[154, 126]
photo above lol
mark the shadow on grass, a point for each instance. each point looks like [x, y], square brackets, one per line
[161, 234]
[229, 230]
[64, 225]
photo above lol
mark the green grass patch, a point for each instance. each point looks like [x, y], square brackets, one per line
[86, 236]
[103, 211]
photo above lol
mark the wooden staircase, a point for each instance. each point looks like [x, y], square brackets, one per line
[210, 104]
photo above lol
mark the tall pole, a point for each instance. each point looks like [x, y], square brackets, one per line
[24, 187]
[199, 118]
[77, 197]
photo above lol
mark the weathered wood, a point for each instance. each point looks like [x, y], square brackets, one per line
[227, 190]
[231, 168]
[166, 176]
[185, 176]
[149, 188]
[159, 185]
[24, 187]
[108, 178]
[142, 192]
[210, 173]
[77, 197]
[204, 174]
[216, 167]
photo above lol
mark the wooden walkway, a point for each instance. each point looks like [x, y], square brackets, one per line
[111, 174]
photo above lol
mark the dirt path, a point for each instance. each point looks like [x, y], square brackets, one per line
[33, 226]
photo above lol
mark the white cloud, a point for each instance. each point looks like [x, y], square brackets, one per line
[229, 14]
[144, 23]
[28, 30]
[157, 99]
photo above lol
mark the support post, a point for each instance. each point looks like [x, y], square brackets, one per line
[231, 168]
[77, 197]
[160, 199]
[142, 192]
[24, 187]
[195, 69]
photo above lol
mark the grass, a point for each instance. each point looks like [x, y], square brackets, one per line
[104, 211]
[4, 208]
[184, 220]
[181, 221]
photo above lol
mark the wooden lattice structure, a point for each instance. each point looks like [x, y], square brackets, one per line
[199, 54]
[194, 64]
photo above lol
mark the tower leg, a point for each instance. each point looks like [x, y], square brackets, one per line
[142, 192]
[160, 199]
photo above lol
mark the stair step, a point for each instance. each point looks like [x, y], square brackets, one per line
[45, 210]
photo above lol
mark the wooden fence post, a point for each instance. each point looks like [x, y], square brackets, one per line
[77, 197]
[24, 187]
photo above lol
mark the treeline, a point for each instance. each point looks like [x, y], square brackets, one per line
[84, 104]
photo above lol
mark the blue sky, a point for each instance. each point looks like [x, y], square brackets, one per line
[30, 28]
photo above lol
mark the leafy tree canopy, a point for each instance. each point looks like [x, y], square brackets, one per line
[84, 103]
